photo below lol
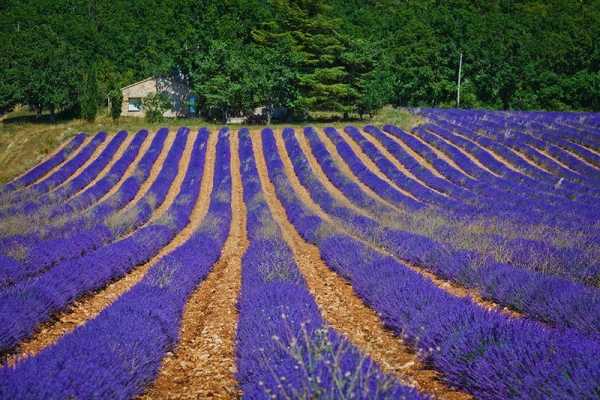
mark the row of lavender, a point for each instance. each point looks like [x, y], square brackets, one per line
[556, 301]
[83, 232]
[576, 262]
[563, 156]
[44, 167]
[513, 358]
[284, 348]
[38, 189]
[44, 289]
[410, 305]
[118, 353]
[566, 151]
[528, 204]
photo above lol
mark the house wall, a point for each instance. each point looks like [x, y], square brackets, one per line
[177, 91]
[141, 90]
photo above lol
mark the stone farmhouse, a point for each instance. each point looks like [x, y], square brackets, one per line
[183, 102]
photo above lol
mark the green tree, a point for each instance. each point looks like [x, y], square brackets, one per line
[155, 105]
[322, 55]
[89, 95]
[116, 103]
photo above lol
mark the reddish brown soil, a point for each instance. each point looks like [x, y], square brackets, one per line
[203, 363]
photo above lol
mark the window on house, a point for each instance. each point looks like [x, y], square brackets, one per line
[134, 104]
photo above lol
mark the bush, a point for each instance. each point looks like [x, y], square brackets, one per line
[116, 102]
[89, 96]
[155, 105]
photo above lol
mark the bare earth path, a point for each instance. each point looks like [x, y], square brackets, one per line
[384, 152]
[422, 161]
[203, 364]
[130, 169]
[99, 149]
[370, 165]
[38, 162]
[118, 154]
[467, 154]
[154, 172]
[343, 167]
[440, 154]
[53, 170]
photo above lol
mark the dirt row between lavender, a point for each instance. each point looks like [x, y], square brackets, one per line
[449, 286]
[97, 151]
[154, 172]
[492, 153]
[371, 166]
[465, 153]
[587, 147]
[422, 161]
[386, 153]
[319, 173]
[131, 169]
[182, 170]
[91, 304]
[203, 364]
[556, 160]
[343, 167]
[577, 156]
[118, 154]
[439, 153]
[343, 309]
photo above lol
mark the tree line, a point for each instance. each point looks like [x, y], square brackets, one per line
[302, 56]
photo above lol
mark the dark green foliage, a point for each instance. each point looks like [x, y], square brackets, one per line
[116, 102]
[89, 95]
[155, 105]
[345, 56]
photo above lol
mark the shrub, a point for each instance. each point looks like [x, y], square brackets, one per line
[116, 102]
[89, 96]
[155, 105]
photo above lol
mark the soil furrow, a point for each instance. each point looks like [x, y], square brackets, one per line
[384, 152]
[556, 160]
[446, 285]
[182, 168]
[491, 152]
[154, 172]
[317, 171]
[86, 164]
[53, 170]
[441, 155]
[345, 169]
[371, 166]
[588, 148]
[526, 158]
[118, 154]
[44, 159]
[471, 157]
[203, 364]
[343, 309]
[90, 305]
[572, 153]
[130, 169]
[422, 161]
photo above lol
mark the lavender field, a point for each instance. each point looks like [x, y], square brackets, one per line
[458, 259]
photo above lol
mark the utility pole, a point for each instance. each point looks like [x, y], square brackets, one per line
[459, 76]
